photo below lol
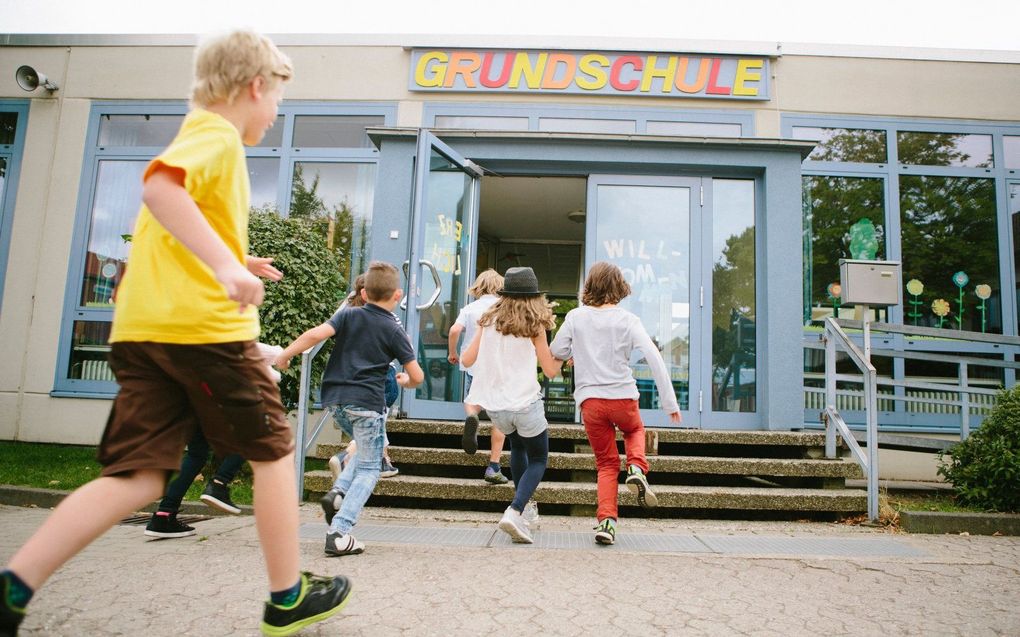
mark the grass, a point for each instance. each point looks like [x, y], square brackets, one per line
[940, 501]
[67, 467]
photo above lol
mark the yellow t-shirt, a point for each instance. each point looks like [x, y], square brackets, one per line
[167, 294]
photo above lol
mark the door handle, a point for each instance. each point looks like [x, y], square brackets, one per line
[435, 277]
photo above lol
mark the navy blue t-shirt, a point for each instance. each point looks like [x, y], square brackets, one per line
[367, 339]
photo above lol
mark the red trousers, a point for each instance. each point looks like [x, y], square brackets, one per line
[601, 417]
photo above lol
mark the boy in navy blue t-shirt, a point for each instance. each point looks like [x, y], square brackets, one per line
[366, 340]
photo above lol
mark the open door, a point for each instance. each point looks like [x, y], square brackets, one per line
[439, 270]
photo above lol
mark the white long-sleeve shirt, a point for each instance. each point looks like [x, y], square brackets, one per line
[601, 340]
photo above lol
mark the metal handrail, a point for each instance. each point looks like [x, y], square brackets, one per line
[832, 335]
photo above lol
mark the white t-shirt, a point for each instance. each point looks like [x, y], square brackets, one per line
[468, 318]
[505, 374]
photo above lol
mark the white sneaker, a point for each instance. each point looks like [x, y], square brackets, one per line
[337, 544]
[514, 525]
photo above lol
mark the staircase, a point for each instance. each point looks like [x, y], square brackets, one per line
[694, 473]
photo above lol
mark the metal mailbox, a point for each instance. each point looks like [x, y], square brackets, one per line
[870, 282]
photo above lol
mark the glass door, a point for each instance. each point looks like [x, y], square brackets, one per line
[444, 216]
[651, 227]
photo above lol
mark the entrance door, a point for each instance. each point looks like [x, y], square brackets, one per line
[444, 217]
[651, 227]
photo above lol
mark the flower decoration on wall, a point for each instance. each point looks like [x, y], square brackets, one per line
[915, 288]
[941, 309]
[983, 292]
[960, 279]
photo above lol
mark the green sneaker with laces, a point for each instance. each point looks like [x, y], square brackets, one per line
[320, 598]
[638, 485]
[605, 531]
[10, 614]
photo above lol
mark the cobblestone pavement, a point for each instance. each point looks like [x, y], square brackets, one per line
[212, 584]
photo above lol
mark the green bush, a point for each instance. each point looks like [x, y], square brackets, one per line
[309, 293]
[985, 469]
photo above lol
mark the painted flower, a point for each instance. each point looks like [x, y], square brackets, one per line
[915, 287]
[983, 291]
[961, 279]
[940, 307]
[835, 290]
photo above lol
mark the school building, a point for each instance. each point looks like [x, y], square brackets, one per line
[725, 178]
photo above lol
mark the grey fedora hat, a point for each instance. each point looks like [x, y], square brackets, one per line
[520, 282]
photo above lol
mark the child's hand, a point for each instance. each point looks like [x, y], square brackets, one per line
[403, 379]
[675, 417]
[242, 286]
[262, 266]
[281, 362]
[453, 358]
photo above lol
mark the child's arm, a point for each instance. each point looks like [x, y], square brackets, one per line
[667, 397]
[455, 333]
[263, 267]
[471, 353]
[562, 345]
[550, 366]
[171, 205]
[412, 376]
[306, 341]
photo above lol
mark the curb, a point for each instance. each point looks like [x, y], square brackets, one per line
[49, 498]
[956, 523]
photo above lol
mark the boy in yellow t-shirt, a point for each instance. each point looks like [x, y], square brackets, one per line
[183, 345]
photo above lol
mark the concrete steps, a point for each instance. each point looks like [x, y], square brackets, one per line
[742, 474]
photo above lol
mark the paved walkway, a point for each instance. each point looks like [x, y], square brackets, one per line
[446, 573]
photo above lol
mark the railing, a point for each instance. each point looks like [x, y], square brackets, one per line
[935, 397]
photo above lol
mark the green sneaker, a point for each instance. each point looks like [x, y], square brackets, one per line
[638, 485]
[605, 531]
[320, 598]
[10, 615]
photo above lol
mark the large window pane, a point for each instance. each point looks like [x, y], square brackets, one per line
[844, 144]
[696, 129]
[8, 126]
[115, 206]
[334, 131]
[1014, 215]
[844, 218]
[138, 130]
[734, 344]
[263, 174]
[274, 136]
[338, 197]
[482, 122]
[950, 251]
[572, 125]
[1011, 146]
[89, 349]
[944, 149]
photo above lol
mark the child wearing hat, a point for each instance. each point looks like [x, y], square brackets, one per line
[600, 336]
[509, 344]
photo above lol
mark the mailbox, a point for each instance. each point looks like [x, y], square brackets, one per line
[870, 282]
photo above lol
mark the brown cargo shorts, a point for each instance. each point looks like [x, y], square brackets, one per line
[167, 390]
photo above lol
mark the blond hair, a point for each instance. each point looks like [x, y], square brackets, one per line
[381, 281]
[525, 316]
[604, 285]
[226, 64]
[488, 282]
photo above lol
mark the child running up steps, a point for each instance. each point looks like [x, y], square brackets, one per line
[600, 337]
[503, 357]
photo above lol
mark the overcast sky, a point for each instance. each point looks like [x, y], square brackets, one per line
[964, 24]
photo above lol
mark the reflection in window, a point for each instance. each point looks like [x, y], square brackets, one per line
[844, 144]
[8, 126]
[950, 248]
[138, 130]
[1014, 215]
[1011, 148]
[334, 131]
[572, 125]
[88, 351]
[944, 149]
[481, 122]
[844, 218]
[274, 136]
[263, 173]
[117, 200]
[337, 197]
[734, 343]
[693, 129]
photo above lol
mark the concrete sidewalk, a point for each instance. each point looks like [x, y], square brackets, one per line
[447, 573]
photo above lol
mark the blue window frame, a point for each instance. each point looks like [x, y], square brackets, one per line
[13, 123]
[123, 137]
[908, 176]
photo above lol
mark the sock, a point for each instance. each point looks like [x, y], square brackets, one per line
[286, 597]
[18, 592]
[494, 466]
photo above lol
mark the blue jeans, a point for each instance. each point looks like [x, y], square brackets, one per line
[194, 461]
[358, 479]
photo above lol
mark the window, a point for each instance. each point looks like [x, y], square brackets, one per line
[587, 125]
[13, 121]
[944, 149]
[1011, 148]
[693, 129]
[482, 123]
[844, 144]
[324, 168]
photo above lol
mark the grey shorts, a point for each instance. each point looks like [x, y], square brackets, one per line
[528, 422]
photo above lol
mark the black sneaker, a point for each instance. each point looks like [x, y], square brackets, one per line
[167, 526]
[10, 615]
[217, 495]
[331, 503]
[320, 598]
[469, 441]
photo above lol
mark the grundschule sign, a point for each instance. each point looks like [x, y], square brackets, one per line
[576, 72]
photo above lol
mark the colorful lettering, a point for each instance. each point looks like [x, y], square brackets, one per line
[464, 64]
[713, 78]
[747, 71]
[593, 65]
[699, 83]
[532, 74]
[652, 72]
[429, 77]
[569, 63]
[504, 74]
[614, 73]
